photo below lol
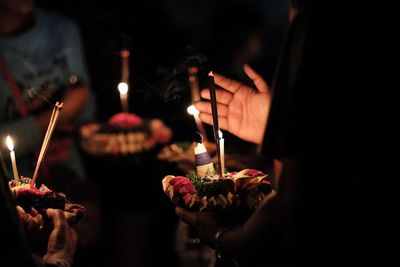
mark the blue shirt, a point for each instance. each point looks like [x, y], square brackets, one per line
[41, 59]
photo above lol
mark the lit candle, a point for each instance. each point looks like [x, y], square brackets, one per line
[123, 86]
[192, 110]
[10, 145]
[123, 93]
[222, 151]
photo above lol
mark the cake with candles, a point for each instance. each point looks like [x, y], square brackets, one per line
[206, 190]
[124, 133]
[42, 198]
[210, 189]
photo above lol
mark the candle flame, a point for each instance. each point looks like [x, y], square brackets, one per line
[9, 143]
[192, 110]
[125, 53]
[193, 70]
[123, 88]
[220, 134]
[210, 74]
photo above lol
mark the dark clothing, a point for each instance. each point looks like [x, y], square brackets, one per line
[14, 248]
[332, 115]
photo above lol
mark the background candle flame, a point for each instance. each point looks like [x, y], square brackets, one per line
[123, 88]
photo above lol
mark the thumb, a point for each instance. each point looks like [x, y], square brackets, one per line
[186, 216]
[258, 81]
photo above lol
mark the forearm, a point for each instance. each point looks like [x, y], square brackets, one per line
[74, 103]
[53, 263]
[259, 232]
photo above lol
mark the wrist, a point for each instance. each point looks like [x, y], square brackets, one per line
[227, 259]
[217, 239]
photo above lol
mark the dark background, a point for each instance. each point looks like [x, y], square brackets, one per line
[164, 37]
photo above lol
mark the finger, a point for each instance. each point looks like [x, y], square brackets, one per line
[223, 96]
[207, 118]
[256, 78]
[205, 93]
[187, 216]
[34, 212]
[226, 83]
[206, 108]
[20, 210]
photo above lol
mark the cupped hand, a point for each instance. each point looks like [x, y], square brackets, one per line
[205, 223]
[32, 221]
[74, 212]
[242, 110]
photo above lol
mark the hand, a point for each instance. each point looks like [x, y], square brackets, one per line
[32, 222]
[241, 110]
[205, 223]
[62, 241]
[73, 213]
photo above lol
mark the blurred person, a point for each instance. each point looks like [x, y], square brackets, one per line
[41, 62]
[337, 192]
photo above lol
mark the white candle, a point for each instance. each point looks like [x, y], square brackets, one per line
[123, 86]
[192, 110]
[222, 151]
[123, 93]
[10, 145]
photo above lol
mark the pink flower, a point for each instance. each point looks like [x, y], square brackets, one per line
[30, 192]
[186, 199]
[184, 187]
[125, 120]
[253, 172]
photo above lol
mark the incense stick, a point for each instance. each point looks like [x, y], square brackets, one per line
[53, 120]
[215, 119]
[195, 92]
[194, 84]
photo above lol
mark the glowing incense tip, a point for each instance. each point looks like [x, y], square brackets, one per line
[125, 53]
